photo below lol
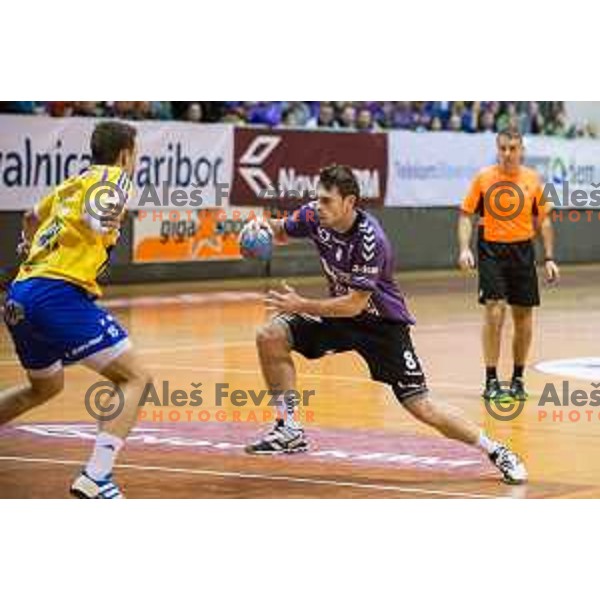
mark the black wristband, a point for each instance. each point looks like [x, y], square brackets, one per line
[548, 259]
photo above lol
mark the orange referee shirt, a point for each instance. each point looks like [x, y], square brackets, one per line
[507, 204]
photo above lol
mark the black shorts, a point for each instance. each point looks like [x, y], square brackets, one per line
[508, 272]
[386, 346]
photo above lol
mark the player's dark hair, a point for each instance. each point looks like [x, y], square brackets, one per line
[511, 134]
[341, 177]
[108, 139]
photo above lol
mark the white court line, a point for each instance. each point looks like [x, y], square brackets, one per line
[258, 476]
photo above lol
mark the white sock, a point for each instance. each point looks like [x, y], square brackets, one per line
[287, 409]
[103, 457]
[486, 444]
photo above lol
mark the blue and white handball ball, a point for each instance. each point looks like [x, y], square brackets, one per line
[256, 243]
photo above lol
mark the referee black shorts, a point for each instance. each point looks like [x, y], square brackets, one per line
[507, 271]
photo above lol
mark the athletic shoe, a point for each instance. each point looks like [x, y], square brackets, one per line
[517, 390]
[493, 392]
[280, 440]
[87, 488]
[510, 465]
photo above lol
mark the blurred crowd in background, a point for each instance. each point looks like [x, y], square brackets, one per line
[547, 118]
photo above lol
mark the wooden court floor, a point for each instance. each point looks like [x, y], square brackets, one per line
[363, 443]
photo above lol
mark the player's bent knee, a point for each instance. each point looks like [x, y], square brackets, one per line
[143, 379]
[271, 337]
[138, 378]
[45, 388]
[127, 369]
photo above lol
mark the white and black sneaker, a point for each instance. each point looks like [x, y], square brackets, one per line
[280, 440]
[510, 465]
[89, 489]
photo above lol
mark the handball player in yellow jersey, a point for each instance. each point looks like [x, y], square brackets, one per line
[50, 307]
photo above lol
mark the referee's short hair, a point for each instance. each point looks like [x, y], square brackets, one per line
[511, 133]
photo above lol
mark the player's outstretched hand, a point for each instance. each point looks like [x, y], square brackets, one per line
[551, 271]
[288, 302]
[466, 260]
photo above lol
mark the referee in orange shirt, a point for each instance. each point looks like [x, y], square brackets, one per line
[507, 199]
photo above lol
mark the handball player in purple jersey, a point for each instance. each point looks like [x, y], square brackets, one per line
[365, 313]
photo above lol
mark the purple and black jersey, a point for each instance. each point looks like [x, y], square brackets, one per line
[359, 259]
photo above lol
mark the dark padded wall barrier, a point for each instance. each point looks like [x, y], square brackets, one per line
[423, 238]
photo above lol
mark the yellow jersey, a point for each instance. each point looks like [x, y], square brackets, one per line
[70, 243]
